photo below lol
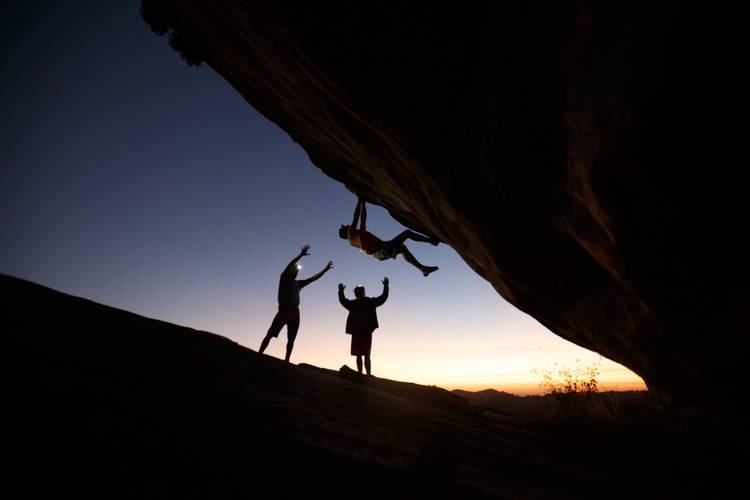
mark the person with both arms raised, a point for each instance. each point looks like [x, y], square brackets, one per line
[362, 321]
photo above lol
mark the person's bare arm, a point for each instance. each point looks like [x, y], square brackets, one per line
[356, 215]
[305, 251]
[304, 283]
[342, 298]
[363, 216]
[383, 296]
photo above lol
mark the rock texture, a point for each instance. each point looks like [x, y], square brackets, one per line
[579, 156]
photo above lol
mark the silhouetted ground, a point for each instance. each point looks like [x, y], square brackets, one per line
[104, 403]
[626, 403]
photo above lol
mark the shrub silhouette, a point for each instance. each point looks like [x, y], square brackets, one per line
[574, 395]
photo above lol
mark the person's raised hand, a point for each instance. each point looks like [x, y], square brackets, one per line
[341, 287]
[305, 250]
[329, 266]
[386, 281]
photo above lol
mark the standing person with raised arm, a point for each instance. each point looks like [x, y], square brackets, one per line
[288, 314]
[362, 321]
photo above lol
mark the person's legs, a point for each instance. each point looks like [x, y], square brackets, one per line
[264, 343]
[273, 331]
[426, 270]
[359, 364]
[291, 333]
[289, 347]
[411, 235]
[366, 348]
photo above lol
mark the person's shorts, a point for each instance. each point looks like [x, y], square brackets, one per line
[361, 344]
[388, 250]
[290, 318]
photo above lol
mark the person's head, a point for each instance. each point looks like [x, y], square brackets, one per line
[359, 291]
[292, 271]
[344, 232]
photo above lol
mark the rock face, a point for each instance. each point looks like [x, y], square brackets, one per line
[578, 156]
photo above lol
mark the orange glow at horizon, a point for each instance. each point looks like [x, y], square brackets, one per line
[451, 363]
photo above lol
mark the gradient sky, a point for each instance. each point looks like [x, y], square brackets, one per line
[136, 181]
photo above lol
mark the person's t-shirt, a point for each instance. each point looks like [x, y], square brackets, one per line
[364, 240]
[288, 293]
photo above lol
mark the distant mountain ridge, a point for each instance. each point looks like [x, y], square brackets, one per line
[505, 402]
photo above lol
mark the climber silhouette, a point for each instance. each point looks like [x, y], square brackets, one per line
[362, 321]
[383, 250]
[288, 314]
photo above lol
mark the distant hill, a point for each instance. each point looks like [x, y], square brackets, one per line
[504, 402]
[103, 403]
